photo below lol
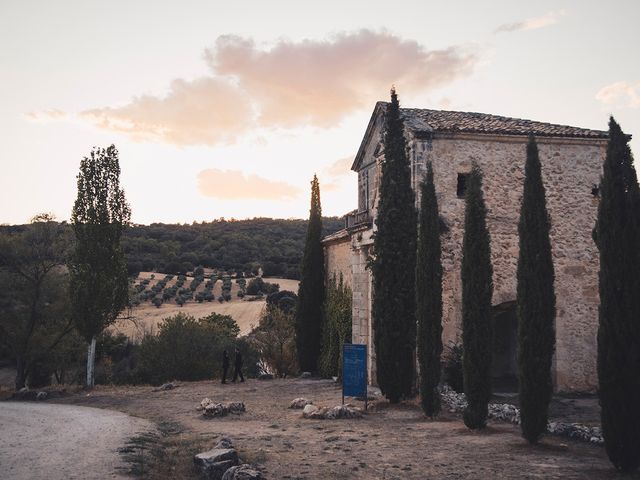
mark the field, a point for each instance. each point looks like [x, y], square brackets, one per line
[146, 317]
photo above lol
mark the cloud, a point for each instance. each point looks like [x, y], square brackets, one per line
[320, 82]
[289, 84]
[340, 167]
[236, 185]
[47, 115]
[626, 94]
[532, 23]
[205, 111]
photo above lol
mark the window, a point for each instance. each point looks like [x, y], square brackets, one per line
[462, 184]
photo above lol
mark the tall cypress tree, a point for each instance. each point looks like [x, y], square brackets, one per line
[536, 302]
[617, 236]
[477, 289]
[429, 296]
[394, 265]
[311, 289]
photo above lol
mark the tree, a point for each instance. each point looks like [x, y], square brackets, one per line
[617, 234]
[337, 326]
[34, 308]
[536, 302]
[99, 284]
[429, 296]
[477, 289]
[308, 318]
[393, 266]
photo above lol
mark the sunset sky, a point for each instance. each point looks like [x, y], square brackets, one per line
[226, 109]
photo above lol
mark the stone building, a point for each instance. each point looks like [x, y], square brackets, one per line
[571, 161]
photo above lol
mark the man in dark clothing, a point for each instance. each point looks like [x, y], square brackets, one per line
[238, 365]
[225, 366]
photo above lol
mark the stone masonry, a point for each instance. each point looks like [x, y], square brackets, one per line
[571, 165]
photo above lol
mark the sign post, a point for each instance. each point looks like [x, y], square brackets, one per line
[354, 371]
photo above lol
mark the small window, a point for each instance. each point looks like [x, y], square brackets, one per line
[595, 191]
[462, 184]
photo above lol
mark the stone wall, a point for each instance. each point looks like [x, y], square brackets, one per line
[337, 256]
[570, 168]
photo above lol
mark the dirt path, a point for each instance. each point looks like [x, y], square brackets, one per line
[48, 441]
[391, 442]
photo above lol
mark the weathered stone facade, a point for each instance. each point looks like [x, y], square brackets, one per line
[571, 165]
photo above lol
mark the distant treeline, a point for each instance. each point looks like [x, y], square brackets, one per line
[275, 245]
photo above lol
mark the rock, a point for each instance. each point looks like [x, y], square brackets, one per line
[225, 442]
[242, 472]
[305, 375]
[334, 413]
[308, 410]
[300, 402]
[211, 409]
[265, 376]
[216, 455]
[167, 386]
[216, 471]
[41, 396]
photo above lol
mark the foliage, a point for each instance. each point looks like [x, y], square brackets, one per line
[34, 308]
[276, 245]
[308, 317]
[285, 300]
[536, 302]
[190, 349]
[337, 326]
[453, 375]
[274, 340]
[429, 297]
[98, 270]
[477, 288]
[617, 235]
[394, 265]
[258, 285]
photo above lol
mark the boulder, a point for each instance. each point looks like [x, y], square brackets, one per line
[216, 455]
[333, 413]
[300, 402]
[242, 472]
[309, 409]
[210, 409]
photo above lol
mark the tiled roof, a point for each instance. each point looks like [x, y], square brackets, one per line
[420, 119]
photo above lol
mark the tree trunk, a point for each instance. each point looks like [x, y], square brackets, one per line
[91, 358]
[21, 373]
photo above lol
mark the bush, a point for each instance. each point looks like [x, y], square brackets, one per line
[258, 285]
[274, 340]
[453, 366]
[188, 349]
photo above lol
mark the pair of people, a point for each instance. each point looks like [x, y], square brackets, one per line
[238, 366]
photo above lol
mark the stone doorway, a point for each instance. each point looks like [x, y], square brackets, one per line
[504, 367]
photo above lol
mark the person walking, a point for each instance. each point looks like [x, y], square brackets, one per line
[225, 366]
[238, 364]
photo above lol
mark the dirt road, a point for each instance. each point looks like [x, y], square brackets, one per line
[47, 441]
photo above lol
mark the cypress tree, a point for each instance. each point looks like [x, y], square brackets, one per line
[393, 267]
[429, 296]
[308, 318]
[617, 237]
[536, 302]
[477, 289]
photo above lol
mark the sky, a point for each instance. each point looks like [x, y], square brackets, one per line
[228, 109]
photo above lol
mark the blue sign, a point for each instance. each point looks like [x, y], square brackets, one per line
[354, 370]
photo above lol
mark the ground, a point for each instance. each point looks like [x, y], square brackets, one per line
[391, 441]
[146, 317]
[49, 441]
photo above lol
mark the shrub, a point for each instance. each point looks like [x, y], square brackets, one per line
[453, 366]
[186, 348]
[274, 340]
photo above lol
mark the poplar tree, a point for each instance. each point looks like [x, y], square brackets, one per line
[617, 235]
[311, 292]
[99, 287]
[477, 289]
[536, 302]
[429, 296]
[393, 266]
